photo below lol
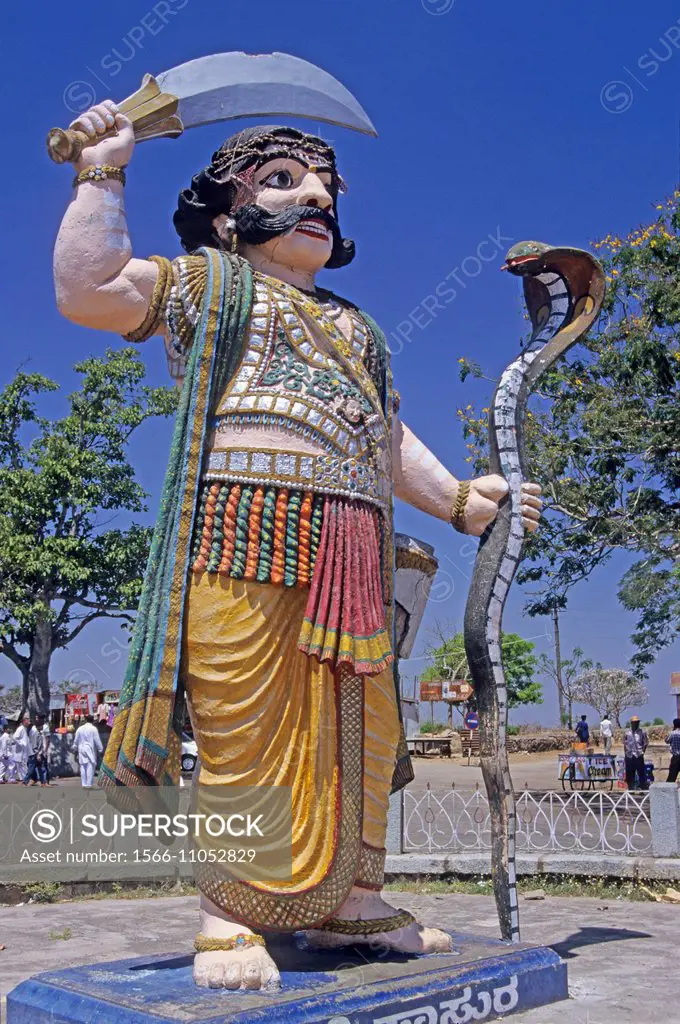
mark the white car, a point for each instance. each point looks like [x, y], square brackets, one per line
[189, 753]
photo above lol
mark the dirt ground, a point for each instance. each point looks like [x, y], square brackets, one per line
[538, 772]
[534, 771]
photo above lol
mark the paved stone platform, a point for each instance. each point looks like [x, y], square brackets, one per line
[483, 980]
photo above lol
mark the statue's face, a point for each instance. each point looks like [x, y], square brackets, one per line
[284, 182]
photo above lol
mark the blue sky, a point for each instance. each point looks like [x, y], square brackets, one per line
[497, 122]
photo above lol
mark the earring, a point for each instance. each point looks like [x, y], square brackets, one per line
[234, 242]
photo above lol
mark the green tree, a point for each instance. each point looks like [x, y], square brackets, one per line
[571, 669]
[62, 483]
[450, 662]
[603, 440]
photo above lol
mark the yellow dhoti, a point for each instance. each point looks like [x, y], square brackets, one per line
[265, 714]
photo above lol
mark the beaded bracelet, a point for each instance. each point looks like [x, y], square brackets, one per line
[458, 510]
[99, 172]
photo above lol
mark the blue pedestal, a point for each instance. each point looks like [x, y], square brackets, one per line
[484, 981]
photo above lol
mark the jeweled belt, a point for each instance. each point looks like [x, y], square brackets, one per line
[322, 474]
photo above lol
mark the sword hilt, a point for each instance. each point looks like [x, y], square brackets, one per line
[64, 145]
[152, 112]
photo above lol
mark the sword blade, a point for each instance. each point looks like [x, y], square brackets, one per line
[223, 86]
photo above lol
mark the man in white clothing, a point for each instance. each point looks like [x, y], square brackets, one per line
[87, 746]
[606, 733]
[27, 744]
[6, 758]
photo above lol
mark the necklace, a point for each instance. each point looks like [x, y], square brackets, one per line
[345, 351]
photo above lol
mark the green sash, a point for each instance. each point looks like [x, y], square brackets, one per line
[145, 744]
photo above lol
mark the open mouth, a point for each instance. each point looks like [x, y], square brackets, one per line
[314, 229]
[517, 261]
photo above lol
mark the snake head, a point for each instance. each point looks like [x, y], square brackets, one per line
[521, 258]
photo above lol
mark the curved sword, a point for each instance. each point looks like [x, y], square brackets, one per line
[223, 86]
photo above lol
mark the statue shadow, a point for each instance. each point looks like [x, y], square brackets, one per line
[593, 937]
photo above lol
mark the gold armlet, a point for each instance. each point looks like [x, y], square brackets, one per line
[205, 944]
[459, 505]
[99, 172]
[158, 304]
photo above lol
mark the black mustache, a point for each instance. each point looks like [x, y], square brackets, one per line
[255, 225]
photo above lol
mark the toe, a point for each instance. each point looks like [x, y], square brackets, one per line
[215, 974]
[232, 975]
[252, 975]
[201, 976]
[271, 979]
[437, 941]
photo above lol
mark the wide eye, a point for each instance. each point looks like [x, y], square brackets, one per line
[279, 179]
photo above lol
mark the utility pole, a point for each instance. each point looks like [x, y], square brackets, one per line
[558, 665]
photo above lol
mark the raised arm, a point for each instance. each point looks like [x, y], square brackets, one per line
[97, 282]
[422, 481]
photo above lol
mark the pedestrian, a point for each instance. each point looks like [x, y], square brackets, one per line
[6, 759]
[22, 746]
[635, 743]
[582, 730]
[29, 741]
[606, 733]
[673, 741]
[42, 763]
[87, 746]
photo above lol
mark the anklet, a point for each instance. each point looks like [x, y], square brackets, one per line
[206, 944]
[373, 926]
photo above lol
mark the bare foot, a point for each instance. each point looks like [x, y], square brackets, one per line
[251, 968]
[366, 904]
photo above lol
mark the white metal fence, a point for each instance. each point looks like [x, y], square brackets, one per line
[593, 822]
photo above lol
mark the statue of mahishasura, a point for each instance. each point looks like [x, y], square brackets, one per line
[268, 602]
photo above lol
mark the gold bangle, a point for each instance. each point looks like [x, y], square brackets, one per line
[205, 944]
[458, 510]
[99, 172]
[158, 303]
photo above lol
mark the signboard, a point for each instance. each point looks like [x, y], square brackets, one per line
[456, 691]
[600, 767]
[77, 703]
[675, 682]
[81, 703]
[472, 720]
[431, 691]
[111, 697]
